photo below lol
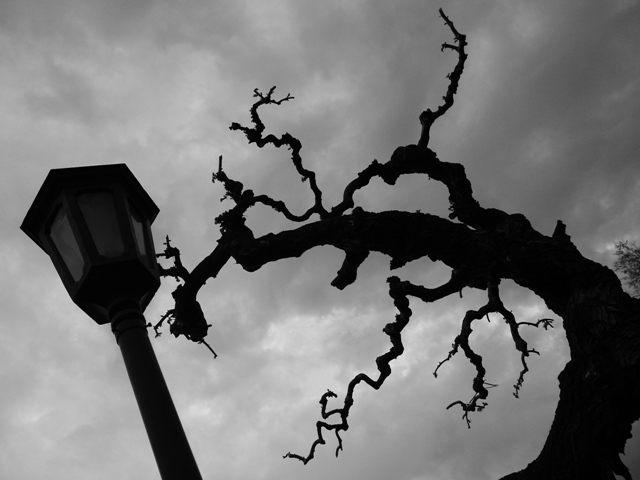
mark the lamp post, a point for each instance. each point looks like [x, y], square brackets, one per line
[95, 225]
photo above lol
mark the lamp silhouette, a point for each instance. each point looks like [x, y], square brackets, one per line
[95, 225]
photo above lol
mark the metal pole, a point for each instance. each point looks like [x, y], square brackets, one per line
[166, 435]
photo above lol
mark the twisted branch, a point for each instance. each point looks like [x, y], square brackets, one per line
[178, 271]
[545, 322]
[186, 318]
[398, 290]
[427, 118]
[480, 385]
[254, 135]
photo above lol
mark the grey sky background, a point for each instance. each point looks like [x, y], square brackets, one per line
[545, 123]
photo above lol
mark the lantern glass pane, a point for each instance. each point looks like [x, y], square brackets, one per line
[100, 215]
[65, 242]
[139, 231]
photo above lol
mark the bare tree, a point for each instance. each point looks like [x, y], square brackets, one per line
[600, 385]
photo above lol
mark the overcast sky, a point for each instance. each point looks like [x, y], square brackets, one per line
[546, 123]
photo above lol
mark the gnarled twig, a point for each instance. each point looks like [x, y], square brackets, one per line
[427, 118]
[254, 135]
[397, 291]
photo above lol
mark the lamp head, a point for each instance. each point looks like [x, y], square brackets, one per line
[95, 225]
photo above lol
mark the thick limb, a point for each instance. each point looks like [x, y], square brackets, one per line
[187, 317]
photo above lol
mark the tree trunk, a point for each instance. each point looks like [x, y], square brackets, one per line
[599, 387]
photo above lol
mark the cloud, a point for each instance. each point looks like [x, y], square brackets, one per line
[544, 123]
[69, 96]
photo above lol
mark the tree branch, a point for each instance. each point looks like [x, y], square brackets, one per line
[254, 135]
[178, 271]
[412, 159]
[397, 291]
[187, 317]
[494, 304]
[427, 118]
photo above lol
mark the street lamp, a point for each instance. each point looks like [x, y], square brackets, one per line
[95, 225]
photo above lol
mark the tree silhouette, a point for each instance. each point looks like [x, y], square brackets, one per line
[600, 385]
